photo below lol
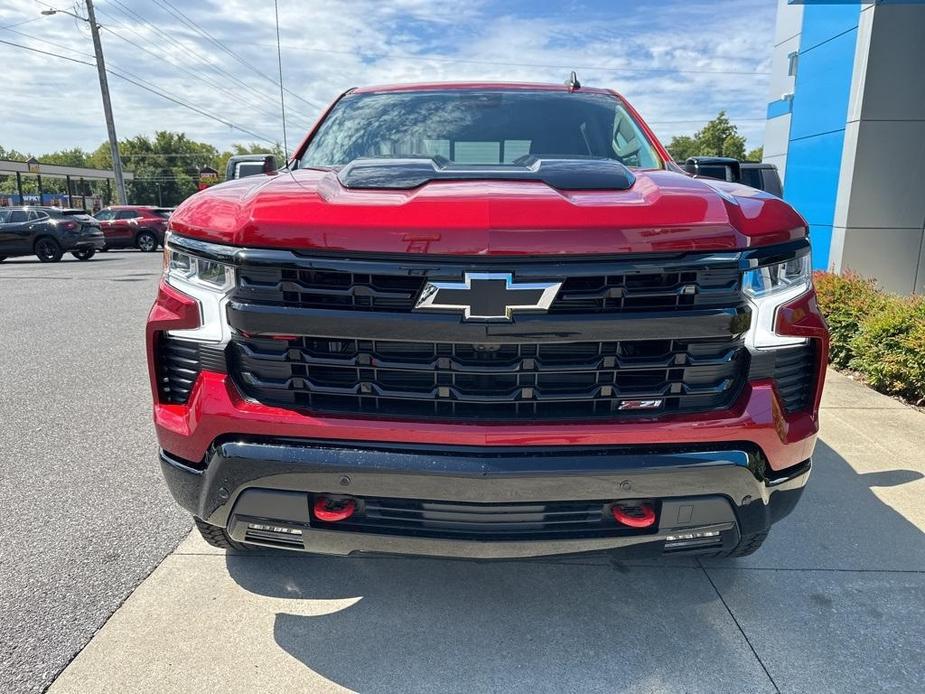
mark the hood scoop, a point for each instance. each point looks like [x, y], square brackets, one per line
[561, 173]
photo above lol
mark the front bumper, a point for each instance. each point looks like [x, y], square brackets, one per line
[720, 494]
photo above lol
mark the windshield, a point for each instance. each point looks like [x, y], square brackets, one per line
[479, 127]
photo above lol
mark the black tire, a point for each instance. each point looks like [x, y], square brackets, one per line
[146, 242]
[749, 544]
[218, 537]
[84, 253]
[48, 250]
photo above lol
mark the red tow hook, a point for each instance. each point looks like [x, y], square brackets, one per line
[332, 510]
[634, 515]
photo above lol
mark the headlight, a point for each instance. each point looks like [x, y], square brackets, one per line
[207, 281]
[185, 268]
[778, 277]
[767, 288]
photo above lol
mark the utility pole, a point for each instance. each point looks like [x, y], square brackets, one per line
[107, 106]
[104, 89]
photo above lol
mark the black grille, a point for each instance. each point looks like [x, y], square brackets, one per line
[179, 363]
[456, 520]
[647, 291]
[587, 287]
[500, 381]
[794, 375]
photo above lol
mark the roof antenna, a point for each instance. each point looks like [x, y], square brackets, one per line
[572, 82]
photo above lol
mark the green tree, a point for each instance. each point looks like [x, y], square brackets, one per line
[13, 155]
[718, 138]
[67, 157]
[165, 166]
[756, 154]
[682, 147]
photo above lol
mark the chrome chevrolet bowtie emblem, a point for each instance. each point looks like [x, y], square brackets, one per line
[488, 296]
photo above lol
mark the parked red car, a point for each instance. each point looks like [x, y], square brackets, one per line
[486, 320]
[133, 226]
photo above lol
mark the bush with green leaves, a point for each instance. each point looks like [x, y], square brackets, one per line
[845, 301]
[890, 349]
[879, 335]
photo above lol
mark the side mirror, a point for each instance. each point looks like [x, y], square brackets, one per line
[723, 168]
[242, 165]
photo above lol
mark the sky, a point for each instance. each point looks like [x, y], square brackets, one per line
[678, 62]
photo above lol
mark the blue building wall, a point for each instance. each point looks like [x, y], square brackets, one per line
[819, 111]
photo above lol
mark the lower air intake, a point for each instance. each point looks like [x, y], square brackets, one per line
[471, 521]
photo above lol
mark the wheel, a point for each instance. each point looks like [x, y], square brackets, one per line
[217, 537]
[146, 242]
[749, 544]
[84, 253]
[48, 250]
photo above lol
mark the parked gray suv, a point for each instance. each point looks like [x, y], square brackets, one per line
[48, 232]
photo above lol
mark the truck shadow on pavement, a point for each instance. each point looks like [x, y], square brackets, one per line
[589, 623]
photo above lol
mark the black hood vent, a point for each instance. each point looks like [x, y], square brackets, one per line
[560, 173]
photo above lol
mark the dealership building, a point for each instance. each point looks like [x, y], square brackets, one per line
[846, 129]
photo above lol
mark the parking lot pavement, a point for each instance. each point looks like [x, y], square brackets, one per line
[834, 602]
[85, 513]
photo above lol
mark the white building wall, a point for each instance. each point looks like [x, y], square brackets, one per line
[786, 41]
[879, 225]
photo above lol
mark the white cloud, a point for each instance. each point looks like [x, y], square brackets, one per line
[50, 104]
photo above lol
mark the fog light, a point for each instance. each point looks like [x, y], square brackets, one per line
[693, 536]
[274, 529]
[691, 539]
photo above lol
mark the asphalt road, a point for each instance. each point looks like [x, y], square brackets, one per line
[85, 513]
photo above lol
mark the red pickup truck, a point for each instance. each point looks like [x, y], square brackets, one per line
[486, 320]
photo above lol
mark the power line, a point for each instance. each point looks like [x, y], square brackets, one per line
[205, 80]
[196, 109]
[54, 55]
[282, 98]
[134, 16]
[50, 43]
[171, 9]
[266, 139]
[17, 24]
[178, 14]
[154, 90]
[259, 102]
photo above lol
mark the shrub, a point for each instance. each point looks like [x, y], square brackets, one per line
[882, 336]
[845, 301]
[890, 349]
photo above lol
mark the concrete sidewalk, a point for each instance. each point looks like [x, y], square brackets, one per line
[835, 601]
